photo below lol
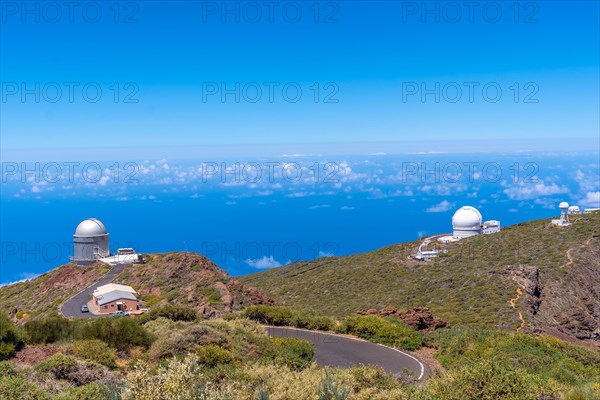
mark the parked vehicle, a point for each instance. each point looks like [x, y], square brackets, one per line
[85, 308]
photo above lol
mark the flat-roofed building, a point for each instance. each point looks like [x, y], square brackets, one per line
[115, 297]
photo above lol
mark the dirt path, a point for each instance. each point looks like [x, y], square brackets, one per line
[513, 304]
[570, 260]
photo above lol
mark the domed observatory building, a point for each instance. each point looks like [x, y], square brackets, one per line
[90, 242]
[466, 221]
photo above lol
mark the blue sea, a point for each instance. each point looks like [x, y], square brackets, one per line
[253, 214]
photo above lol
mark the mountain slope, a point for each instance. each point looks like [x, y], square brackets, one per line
[183, 278]
[43, 295]
[531, 276]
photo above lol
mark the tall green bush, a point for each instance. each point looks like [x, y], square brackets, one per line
[118, 332]
[173, 312]
[48, 330]
[11, 337]
[391, 332]
[286, 316]
[295, 353]
[18, 387]
[95, 350]
[278, 316]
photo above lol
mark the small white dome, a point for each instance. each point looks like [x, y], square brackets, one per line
[564, 204]
[574, 210]
[90, 227]
[467, 217]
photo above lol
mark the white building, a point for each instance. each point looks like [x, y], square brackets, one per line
[115, 297]
[491, 226]
[90, 242]
[467, 221]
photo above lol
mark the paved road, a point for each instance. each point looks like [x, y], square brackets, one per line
[72, 307]
[343, 351]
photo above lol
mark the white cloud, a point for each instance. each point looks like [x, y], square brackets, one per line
[443, 206]
[25, 276]
[35, 189]
[591, 200]
[28, 275]
[346, 208]
[103, 181]
[532, 191]
[319, 206]
[263, 263]
[547, 202]
[323, 254]
[299, 194]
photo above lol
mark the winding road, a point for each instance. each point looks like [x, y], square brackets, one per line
[72, 307]
[333, 350]
[330, 349]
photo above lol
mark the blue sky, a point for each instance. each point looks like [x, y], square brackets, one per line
[364, 62]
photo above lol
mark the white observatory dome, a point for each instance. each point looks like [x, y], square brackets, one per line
[467, 218]
[90, 227]
[574, 210]
[564, 205]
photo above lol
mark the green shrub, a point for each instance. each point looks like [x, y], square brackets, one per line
[177, 341]
[586, 392]
[7, 369]
[212, 294]
[295, 353]
[59, 365]
[485, 380]
[277, 316]
[545, 360]
[11, 337]
[285, 316]
[372, 377]
[78, 373]
[18, 387]
[331, 389]
[380, 330]
[308, 320]
[170, 311]
[91, 391]
[118, 332]
[95, 350]
[212, 355]
[48, 330]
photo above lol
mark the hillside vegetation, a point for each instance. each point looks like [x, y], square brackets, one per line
[169, 278]
[175, 355]
[192, 280]
[43, 295]
[531, 276]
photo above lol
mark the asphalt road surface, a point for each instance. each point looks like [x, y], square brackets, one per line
[72, 307]
[342, 351]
